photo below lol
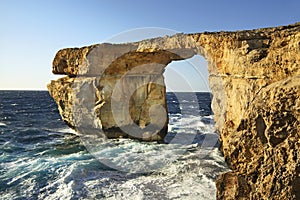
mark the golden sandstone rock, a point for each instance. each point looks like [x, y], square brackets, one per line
[255, 82]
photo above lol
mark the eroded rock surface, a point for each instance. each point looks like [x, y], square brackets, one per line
[264, 153]
[254, 78]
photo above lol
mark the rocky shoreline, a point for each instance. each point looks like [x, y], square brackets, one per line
[255, 81]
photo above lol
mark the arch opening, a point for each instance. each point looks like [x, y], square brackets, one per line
[189, 100]
[189, 75]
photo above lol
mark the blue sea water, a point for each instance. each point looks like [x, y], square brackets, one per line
[41, 158]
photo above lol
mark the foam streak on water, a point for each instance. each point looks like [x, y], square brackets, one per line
[41, 158]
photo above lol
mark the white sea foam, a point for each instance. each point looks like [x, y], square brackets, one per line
[2, 124]
[64, 130]
[187, 178]
[62, 188]
[135, 157]
[182, 169]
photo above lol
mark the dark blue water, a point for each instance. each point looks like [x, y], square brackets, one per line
[41, 158]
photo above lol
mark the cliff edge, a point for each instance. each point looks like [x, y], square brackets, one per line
[118, 90]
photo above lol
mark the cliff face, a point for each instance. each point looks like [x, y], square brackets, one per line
[254, 77]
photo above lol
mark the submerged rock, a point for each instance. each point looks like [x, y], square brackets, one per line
[118, 90]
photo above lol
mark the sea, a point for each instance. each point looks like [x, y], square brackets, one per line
[42, 158]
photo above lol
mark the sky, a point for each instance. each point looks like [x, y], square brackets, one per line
[32, 31]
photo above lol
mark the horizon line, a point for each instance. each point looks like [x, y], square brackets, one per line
[35, 89]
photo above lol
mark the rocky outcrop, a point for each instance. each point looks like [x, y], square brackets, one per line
[263, 151]
[254, 77]
[117, 89]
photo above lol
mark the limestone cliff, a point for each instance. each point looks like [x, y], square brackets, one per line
[254, 78]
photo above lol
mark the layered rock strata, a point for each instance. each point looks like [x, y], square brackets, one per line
[254, 77]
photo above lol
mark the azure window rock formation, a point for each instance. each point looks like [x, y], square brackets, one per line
[255, 81]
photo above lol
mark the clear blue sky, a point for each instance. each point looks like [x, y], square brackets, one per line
[32, 31]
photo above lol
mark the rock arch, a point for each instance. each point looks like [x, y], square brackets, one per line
[247, 68]
[124, 68]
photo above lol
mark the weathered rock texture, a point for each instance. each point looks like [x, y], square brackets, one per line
[255, 81]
